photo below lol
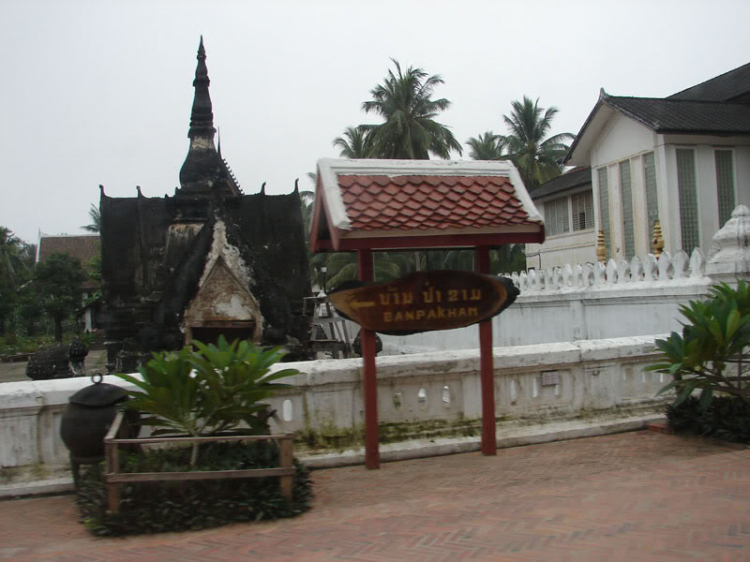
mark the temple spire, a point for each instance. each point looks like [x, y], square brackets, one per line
[202, 116]
[204, 172]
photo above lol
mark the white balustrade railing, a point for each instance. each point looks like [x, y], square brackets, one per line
[678, 269]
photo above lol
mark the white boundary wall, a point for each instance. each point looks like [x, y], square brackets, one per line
[533, 384]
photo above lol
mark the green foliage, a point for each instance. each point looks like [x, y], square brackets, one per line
[404, 101]
[537, 157]
[16, 268]
[387, 266]
[710, 355]
[356, 143]
[726, 418]
[96, 220]
[211, 390]
[157, 507]
[94, 265]
[58, 280]
[487, 147]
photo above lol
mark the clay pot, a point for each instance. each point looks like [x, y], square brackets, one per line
[89, 416]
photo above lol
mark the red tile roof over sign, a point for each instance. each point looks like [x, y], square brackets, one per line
[425, 202]
[402, 203]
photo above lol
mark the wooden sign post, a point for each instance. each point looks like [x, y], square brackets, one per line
[420, 302]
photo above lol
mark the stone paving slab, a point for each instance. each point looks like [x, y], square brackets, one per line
[640, 496]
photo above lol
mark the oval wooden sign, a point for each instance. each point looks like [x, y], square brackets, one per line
[425, 301]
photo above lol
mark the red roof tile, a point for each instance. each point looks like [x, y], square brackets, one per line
[410, 202]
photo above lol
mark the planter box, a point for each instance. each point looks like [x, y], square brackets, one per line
[113, 477]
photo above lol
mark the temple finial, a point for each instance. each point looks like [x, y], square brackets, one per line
[201, 117]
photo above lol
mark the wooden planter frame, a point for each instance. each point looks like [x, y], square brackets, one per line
[113, 478]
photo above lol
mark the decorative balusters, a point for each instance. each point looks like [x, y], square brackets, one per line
[665, 264]
[697, 264]
[650, 268]
[680, 265]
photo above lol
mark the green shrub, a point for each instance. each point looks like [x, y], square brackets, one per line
[711, 354]
[155, 507]
[726, 418]
[212, 390]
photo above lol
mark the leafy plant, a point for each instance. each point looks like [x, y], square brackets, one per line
[209, 390]
[726, 418]
[711, 353]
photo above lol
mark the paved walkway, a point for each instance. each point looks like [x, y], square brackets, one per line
[633, 497]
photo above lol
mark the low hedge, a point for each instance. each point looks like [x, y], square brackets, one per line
[155, 507]
[726, 418]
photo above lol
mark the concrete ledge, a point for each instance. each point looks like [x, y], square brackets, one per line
[37, 488]
[507, 437]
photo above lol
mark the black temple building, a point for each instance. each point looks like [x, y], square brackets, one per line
[207, 261]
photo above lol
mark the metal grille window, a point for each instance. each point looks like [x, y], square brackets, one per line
[688, 196]
[652, 201]
[627, 209]
[725, 183]
[604, 208]
[583, 210]
[556, 216]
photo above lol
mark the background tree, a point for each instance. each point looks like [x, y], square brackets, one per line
[488, 146]
[404, 101]
[538, 158]
[355, 143]
[16, 264]
[58, 280]
[96, 220]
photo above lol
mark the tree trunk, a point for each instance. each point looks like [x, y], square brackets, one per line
[58, 330]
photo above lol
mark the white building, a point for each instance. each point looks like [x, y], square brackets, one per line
[567, 205]
[684, 160]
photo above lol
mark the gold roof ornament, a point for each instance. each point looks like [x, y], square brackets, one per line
[658, 240]
[601, 249]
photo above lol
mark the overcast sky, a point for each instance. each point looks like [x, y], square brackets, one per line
[100, 92]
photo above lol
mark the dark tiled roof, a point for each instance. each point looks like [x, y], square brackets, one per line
[82, 247]
[683, 116]
[577, 177]
[725, 87]
[379, 202]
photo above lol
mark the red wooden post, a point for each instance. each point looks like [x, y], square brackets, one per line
[369, 370]
[489, 441]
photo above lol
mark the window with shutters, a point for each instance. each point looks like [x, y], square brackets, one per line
[688, 198]
[556, 216]
[652, 201]
[582, 207]
[626, 191]
[604, 208]
[725, 183]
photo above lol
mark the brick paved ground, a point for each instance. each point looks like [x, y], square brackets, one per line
[637, 497]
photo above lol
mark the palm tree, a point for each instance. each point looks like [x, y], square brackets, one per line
[96, 220]
[355, 143]
[410, 131]
[487, 147]
[537, 158]
[10, 250]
